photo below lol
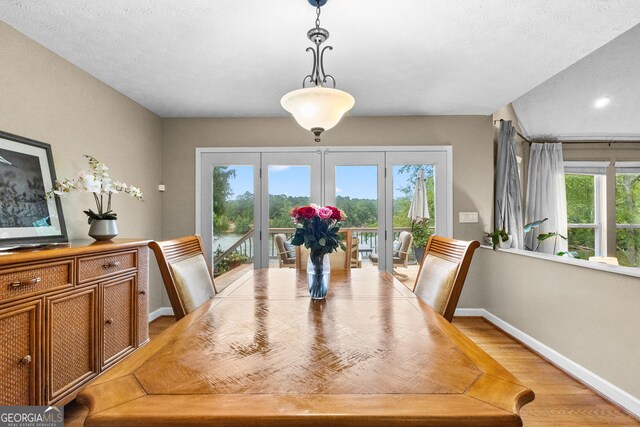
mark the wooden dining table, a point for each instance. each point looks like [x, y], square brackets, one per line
[261, 352]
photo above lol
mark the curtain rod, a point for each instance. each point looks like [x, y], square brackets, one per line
[586, 141]
[517, 133]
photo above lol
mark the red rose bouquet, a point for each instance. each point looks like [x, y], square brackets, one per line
[317, 229]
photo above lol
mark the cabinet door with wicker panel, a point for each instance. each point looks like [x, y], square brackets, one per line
[20, 366]
[71, 330]
[119, 322]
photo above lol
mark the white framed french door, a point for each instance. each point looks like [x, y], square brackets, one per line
[355, 183]
[245, 193]
[288, 179]
[221, 178]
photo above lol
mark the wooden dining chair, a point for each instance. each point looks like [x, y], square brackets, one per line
[443, 269]
[185, 273]
[339, 259]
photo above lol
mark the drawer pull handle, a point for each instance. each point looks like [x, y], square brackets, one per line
[20, 283]
[112, 264]
[25, 360]
[143, 292]
[108, 321]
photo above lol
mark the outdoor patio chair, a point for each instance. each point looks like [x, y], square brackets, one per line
[402, 246]
[286, 257]
[356, 261]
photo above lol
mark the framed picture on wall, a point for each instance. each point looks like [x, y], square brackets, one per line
[27, 217]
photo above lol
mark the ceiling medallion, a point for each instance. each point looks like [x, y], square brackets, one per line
[317, 108]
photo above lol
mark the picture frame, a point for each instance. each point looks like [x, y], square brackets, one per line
[27, 216]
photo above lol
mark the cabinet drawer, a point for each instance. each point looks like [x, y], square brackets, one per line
[19, 282]
[105, 265]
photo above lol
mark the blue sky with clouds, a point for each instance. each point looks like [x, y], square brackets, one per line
[353, 181]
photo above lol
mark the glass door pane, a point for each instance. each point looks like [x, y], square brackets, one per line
[227, 222]
[355, 184]
[290, 179]
[233, 221]
[410, 225]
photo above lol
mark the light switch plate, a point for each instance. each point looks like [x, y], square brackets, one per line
[468, 217]
[161, 187]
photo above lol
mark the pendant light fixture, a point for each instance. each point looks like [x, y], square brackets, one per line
[317, 108]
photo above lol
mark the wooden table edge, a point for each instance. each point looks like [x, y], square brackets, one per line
[334, 409]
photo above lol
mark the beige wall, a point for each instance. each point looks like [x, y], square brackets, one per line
[470, 136]
[589, 316]
[46, 98]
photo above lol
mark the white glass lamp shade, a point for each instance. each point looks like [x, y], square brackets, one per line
[317, 107]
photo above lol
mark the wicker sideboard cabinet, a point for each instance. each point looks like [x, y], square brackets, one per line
[67, 314]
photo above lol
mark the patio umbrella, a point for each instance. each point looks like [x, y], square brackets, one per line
[419, 209]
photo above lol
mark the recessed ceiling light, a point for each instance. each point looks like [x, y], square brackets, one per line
[602, 102]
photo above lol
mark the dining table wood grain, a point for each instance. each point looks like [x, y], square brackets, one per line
[263, 353]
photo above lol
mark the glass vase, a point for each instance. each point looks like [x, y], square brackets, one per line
[318, 275]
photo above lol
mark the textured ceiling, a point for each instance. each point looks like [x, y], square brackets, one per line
[237, 58]
[563, 106]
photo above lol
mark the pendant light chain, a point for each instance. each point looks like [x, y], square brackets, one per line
[318, 11]
[318, 108]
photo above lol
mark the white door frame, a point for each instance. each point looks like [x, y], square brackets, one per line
[445, 223]
[336, 157]
[313, 159]
[443, 185]
[205, 163]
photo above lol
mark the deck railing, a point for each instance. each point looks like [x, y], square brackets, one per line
[367, 238]
[244, 245]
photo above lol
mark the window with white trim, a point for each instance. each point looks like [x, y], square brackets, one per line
[628, 213]
[585, 187]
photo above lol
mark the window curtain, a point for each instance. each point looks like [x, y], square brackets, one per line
[508, 196]
[546, 197]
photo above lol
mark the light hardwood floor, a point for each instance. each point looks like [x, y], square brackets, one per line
[560, 400]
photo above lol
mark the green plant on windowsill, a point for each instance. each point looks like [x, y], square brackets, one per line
[545, 236]
[530, 227]
[497, 236]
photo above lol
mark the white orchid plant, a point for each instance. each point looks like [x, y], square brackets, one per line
[98, 182]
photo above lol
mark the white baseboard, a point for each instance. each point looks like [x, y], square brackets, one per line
[469, 312]
[162, 311]
[604, 387]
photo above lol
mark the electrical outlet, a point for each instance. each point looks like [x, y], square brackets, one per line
[161, 187]
[468, 217]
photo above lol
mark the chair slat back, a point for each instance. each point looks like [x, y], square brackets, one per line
[174, 251]
[442, 273]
